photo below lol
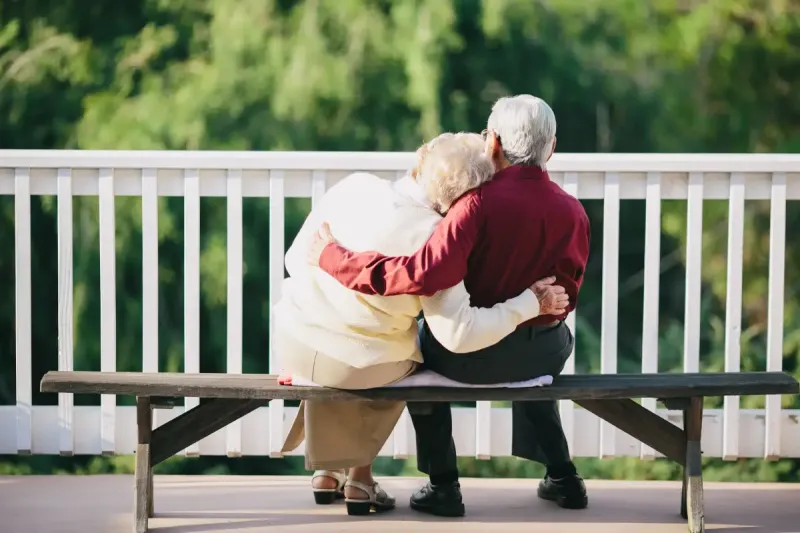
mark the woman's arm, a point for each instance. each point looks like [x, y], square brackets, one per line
[462, 329]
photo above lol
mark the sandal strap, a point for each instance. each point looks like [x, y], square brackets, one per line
[340, 477]
[371, 490]
[374, 492]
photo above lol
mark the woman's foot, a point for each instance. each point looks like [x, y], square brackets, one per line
[328, 486]
[361, 498]
[363, 494]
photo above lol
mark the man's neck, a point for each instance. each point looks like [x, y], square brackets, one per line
[502, 164]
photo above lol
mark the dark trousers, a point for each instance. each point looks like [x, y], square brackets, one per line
[525, 354]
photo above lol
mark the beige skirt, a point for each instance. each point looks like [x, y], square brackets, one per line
[340, 434]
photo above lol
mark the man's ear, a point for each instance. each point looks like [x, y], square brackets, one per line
[494, 149]
[552, 149]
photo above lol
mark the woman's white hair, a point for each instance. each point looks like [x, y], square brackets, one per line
[450, 165]
[526, 126]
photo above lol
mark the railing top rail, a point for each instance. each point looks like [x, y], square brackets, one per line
[300, 160]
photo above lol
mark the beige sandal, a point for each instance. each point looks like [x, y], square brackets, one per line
[377, 499]
[327, 496]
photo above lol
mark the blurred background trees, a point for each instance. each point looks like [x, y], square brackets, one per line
[621, 75]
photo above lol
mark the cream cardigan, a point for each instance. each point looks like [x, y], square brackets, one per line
[365, 213]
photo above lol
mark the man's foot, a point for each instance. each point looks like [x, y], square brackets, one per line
[568, 492]
[439, 500]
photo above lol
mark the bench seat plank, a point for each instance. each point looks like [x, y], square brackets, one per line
[574, 387]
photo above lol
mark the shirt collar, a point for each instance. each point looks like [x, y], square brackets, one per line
[524, 172]
[408, 187]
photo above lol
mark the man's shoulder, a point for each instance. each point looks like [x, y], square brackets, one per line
[469, 202]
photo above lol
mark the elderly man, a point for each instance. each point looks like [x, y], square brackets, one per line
[498, 239]
[335, 337]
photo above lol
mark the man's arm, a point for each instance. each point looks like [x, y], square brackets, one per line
[461, 328]
[440, 264]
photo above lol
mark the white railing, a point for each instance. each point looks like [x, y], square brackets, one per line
[485, 431]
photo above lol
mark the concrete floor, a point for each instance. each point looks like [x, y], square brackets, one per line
[215, 504]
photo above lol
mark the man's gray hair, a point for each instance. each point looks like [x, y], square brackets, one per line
[526, 126]
[450, 165]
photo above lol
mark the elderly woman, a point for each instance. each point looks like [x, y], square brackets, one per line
[339, 338]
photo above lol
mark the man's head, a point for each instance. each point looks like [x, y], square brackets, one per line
[450, 165]
[521, 131]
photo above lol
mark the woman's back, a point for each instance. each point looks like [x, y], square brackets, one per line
[365, 212]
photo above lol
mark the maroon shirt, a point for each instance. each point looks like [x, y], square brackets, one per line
[499, 239]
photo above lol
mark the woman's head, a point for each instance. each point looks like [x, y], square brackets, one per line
[450, 165]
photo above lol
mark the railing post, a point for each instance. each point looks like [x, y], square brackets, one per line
[276, 270]
[22, 308]
[108, 305]
[610, 306]
[652, 276]
[65, 318]
[234, 304]
[733, 312]
[191, 284]
[775, 303]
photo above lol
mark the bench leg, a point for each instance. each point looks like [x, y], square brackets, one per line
[143, 475]
[692, 494]
[150, 507]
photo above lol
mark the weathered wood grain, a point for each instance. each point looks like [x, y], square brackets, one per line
[642, 424]
[695, 508]
[143, 470]
[574, 387]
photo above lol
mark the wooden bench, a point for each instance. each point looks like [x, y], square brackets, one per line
[609, 396]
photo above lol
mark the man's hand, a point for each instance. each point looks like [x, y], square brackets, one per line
[553, 299]
[319, 241]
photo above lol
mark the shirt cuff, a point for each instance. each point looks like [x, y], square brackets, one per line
[331, 258]
[528, 305]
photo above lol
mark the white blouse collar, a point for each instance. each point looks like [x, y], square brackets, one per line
[408, 187]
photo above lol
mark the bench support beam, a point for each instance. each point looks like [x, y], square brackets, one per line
[642, 424]
[198, 423]
[692, 506]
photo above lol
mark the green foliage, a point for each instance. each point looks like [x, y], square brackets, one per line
[622, 76]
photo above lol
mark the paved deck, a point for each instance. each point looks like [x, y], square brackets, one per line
[215, 504]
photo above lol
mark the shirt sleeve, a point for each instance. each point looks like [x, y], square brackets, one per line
[440, 264]
[461, 328]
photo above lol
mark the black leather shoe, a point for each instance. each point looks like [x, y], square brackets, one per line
[568, 492]
[439, 500]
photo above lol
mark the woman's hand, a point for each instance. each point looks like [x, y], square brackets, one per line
[553, 299]
[319, 241]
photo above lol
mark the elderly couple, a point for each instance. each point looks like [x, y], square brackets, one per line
[478, 239]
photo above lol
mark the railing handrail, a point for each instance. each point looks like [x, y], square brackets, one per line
[313, 160]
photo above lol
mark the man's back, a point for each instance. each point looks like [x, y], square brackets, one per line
[530, 229]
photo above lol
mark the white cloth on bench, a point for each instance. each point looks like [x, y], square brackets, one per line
[429, 378]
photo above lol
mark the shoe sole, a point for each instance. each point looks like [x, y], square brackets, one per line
[327, 497]
[364, 507]
[562, 502]
[450, 512]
